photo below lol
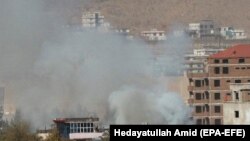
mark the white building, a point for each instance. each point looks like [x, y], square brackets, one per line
[195, 61]
[231, 33]
[236, 108]
[194, 30]
[93, 19]
[154, 35]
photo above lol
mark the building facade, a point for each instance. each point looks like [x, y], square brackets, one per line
[78, 128]
[154, 35]
[92, 19]
[210, 91]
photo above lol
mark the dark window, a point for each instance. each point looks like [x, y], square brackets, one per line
[217, 96]
[225, 61]
[241, 60]
[207, 95]
[198, 109]
[197, 83]
[248, 67]
[198, 96]
[228, 94]
[206, 108]
[217, 109]
[243, 68]
[237, 96]
[217, 83]
[237, 81]
[211, 26]
[228, 80]
[199, 121]
[237, 68]
[216, 70]
[217, 121]
[236, 114]
[248, 80]
[216, 61]
[225, 70]
[206, 82]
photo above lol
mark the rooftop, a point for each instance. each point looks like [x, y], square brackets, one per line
[238, 51]
[67, 120]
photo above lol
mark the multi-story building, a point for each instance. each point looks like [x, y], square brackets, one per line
[210, 91]
[154, 35]
[92, 19]
[236, 106]
[78, 128]
[195, 61]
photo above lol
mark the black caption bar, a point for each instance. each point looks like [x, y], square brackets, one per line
[196, 132]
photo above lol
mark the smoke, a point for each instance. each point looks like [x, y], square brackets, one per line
[52, 71]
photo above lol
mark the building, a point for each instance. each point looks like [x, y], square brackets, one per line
[44, 134]
[92, 19]
[211, 90]
[236, 106]
[154, 35]
[230, 33]
[195, 61]
[79, 128]
[194, 30]
[207, 28]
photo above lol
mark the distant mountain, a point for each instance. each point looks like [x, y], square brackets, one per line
[141, 15]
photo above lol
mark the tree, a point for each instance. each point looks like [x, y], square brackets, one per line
[18, 130]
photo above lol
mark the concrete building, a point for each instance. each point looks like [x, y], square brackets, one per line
[92, 19]
[154, 35]
[194, 30]
[207, 28]
[229, 33]
[210, 90]
[195, 61]
[236, 106]
[79, 128]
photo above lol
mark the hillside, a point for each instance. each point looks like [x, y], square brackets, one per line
[141, 15]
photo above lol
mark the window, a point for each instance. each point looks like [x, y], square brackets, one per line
[228, 81]
[198, 109]
[216, 83]
[237, 68]
[243, 68]
[216, 61]
[197, 83]
[199, 121]
[211, 26]
[216, 70]
[241, 60]
[236, 114]
[198, 96]
[248, 80]
[225, 61]
[237, 81]
[237, 96]
[217, 121]
[217, 109]
[225, 70]
[217, 96]
[248, 67]
[206, 81]
[207, 95]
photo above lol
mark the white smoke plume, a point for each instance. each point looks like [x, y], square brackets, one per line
[52, 71]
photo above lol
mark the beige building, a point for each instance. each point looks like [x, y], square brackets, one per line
[210, 91]
[236, 107]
